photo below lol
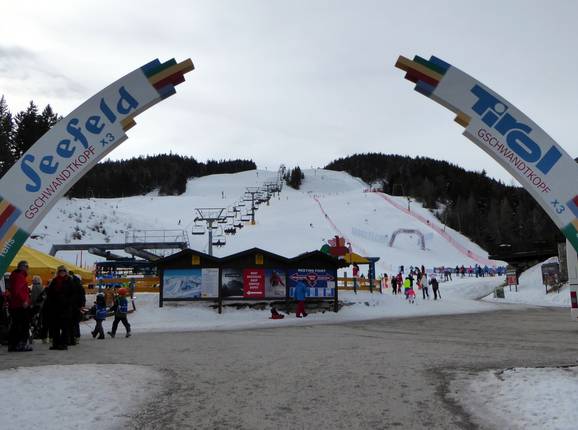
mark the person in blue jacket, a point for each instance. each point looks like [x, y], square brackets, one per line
[100, 314]
[299, 294]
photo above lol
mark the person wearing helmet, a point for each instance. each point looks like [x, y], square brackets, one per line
[120, 309]
[100, 314]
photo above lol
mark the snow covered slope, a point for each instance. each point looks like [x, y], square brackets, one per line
[328, 203]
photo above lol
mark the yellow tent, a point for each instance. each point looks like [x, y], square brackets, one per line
[352, 257]
[45, 265]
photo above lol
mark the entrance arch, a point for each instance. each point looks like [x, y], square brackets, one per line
[518, 144]
[74, 145]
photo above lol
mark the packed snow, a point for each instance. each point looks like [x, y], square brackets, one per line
[521, 398]
[81, 396]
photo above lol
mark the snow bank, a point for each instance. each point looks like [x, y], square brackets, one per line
[521, 398]
[87, 396]
[532, 292]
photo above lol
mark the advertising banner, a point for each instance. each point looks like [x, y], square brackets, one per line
[550, 274]
[275, 283]
[190, 283]
[254, 283]
[73, 146]
[541, 166]
[209, 283]
[319, 282]
[232, 283]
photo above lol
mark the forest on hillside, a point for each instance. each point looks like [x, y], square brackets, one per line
[487, 211]
[136, 176]
[166, 172]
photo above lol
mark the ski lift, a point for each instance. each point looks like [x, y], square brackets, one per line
[219, 239]
[230, 230]
[198, 229]
[219, 243]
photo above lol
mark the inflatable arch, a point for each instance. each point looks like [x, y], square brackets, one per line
[543, 168]
[74, 145]
[408, 231]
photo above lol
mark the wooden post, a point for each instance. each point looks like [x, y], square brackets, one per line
[161, 287]
[336, 300]
[219, 295]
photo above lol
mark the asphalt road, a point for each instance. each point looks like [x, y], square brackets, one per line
[378, 374]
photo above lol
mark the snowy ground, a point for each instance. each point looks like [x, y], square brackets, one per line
[74, 396]
[521, 398]
[458, 297]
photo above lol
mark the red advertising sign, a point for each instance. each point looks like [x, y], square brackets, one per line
[254, 283]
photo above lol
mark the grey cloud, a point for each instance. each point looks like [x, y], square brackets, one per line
[20, 64]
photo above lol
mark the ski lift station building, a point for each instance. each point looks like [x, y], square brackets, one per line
[251, 276]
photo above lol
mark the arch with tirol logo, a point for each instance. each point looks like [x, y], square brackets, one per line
[541, 166]
[74, 145]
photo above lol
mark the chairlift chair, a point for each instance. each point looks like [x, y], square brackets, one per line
[198, 229]
[219, 239]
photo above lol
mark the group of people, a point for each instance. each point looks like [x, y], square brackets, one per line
[416, 276]
[477, 271]
[52, 312]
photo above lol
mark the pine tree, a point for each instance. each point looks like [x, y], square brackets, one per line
[6, 135]
[295, 178]
[29, 128]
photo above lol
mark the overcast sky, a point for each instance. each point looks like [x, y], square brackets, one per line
[296, 82]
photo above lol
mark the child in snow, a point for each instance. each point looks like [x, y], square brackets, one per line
[275, 315]
[100, 313]
[411, 295]
[120, 309]
[407, 286]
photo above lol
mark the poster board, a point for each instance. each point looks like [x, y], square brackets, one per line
[320, 282]
[550, 274]
[253, 283]
[190, 284]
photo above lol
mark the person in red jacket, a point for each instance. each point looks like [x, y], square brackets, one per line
[18, 304]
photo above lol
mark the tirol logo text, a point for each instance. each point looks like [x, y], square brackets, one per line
[494, 113]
